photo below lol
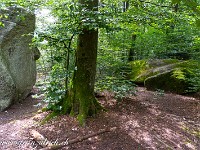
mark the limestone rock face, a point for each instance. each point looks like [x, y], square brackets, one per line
[17, 57]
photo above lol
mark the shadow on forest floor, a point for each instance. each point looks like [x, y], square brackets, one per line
[145, 121]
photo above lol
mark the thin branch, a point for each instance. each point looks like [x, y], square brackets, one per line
[39, 138]
[67, 65]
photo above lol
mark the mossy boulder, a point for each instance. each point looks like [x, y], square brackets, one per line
[142, 69]
[168, 81]
[168, 74]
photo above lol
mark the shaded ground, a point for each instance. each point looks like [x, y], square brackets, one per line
[150, 120]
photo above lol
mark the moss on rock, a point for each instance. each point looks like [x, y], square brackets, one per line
[168, 74]
[173, 81]
[138, 67]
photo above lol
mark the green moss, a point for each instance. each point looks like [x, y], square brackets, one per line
[162, 62]
[190, 64]
[138, 67]
[170, 61]
[48, 117]
[82, 119]
[170, 74]
[141, 78]
[88, 106]
[167, 82]
[141, 69]
[81, 104]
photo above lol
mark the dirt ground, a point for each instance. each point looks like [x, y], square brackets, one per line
[149, 121]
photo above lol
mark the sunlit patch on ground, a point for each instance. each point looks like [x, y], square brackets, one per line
[168, 122]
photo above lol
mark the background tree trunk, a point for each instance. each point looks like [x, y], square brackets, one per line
[132, 51]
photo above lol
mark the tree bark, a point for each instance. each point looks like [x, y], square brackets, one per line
[125, 5]
[80, 99]
[132, 51]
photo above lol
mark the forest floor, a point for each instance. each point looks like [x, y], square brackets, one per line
[150, 121]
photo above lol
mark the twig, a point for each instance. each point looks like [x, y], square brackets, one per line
[50, 146]
[163, 142]
[40, 139]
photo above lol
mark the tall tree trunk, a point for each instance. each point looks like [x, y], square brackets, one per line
[80, 99]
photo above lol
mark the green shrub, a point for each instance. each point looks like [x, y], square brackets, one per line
[119, 86]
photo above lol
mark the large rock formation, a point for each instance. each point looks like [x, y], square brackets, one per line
[17, 57]
[167, 74]
[173, 80]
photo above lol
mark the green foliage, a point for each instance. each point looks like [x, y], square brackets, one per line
[193, 75]
[179, 74]
[158, 30]
[189, 72]
[176, 1]
[158, 27]
[159, 92]
[185, 73]
[138, 67]
[56, 89]
[194, 81]
[112, 68]
[121, 88]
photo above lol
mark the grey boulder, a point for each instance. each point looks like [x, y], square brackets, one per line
[17, 57]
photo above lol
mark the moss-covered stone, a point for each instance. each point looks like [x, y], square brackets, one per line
[173, 81]
[168, 74]
[138, 67]
[142, 69]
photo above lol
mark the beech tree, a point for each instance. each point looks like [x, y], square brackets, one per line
[80, 99]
